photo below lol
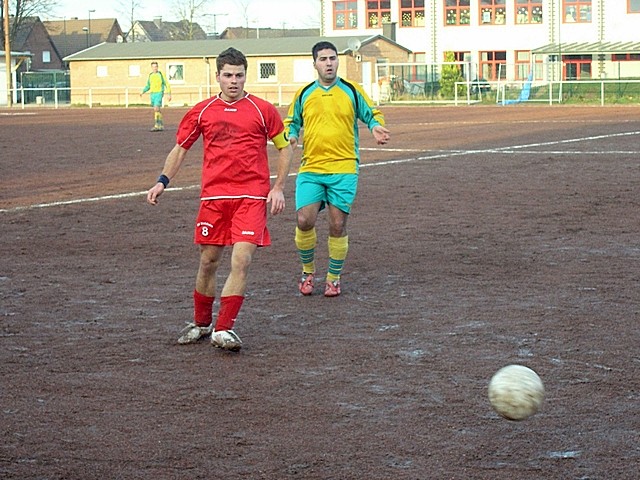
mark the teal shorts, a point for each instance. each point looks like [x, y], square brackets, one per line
[156, 99]
[337, 189]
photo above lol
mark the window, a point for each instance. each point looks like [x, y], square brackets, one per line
[412, 13]
[577, 67]
[492, 12]
[267, 71]
[345, 15]
[418, 72]
[102, 71]
[524, 66]
[134, 70]
[378, 12]
[46, 56]
[577, 11]
[528, 11]
[626, 57]
[383, 70]
[492, 65]
[457, 12]
[523, 59]
[634, 6]
[175, 72]
[461, 57]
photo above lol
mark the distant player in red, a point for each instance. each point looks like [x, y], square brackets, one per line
[235, 127]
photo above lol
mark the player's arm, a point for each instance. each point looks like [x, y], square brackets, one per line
[285, 154]
[146, 87]
[371, 116]
[171, 166]
[381, 134]
[167, 87]
[374, 119]
[293, 120]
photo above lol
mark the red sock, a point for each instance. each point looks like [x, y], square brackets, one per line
[229, 308]
[202, 309]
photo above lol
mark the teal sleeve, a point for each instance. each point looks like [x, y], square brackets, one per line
[294, 119]
[370, 115]
[165, 84]
[366, 113]
[147, 86]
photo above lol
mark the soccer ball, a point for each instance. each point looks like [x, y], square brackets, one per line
[516, 392]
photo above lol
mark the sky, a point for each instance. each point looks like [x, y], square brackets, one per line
[226, 13]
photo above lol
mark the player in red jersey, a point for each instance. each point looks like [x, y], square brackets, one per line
[235, 191]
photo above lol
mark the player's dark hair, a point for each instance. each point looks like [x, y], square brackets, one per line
[322, 46]
[231, 56]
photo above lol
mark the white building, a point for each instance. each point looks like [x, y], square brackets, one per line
[502, 39]
[16, 58]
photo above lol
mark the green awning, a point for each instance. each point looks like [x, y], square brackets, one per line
[589, 48]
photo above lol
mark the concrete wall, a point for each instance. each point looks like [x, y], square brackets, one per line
[119, 82]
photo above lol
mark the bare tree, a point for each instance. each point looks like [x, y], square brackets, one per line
[243, 6]
[20, 11]
[247, 10]
[129, 8]
[188, 11]
[315, 19]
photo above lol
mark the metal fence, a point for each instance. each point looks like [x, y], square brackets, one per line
[44, 87]
[115, 96]
[400, 91]
[588, 92]
[461, 83]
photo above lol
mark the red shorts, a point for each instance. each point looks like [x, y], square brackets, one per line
[229, 221]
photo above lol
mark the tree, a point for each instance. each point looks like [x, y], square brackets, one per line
[188, 11]
[20, 11]
[247, 10]
[313, 20]
[449, 76]
[129, 9]
[243, 6]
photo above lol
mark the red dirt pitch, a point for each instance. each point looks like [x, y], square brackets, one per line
[481, 236]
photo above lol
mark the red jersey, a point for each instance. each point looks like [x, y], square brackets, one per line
[235, 136]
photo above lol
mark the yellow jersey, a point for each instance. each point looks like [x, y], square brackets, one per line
[329, 116]
[157, 83]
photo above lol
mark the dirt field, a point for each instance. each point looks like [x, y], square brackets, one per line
[481, 236]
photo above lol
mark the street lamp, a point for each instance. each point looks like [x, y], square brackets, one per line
[257, 24]
[86, 32]
[89, 28]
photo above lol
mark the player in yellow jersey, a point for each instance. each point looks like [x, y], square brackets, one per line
[157, 86]
[328, 109]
